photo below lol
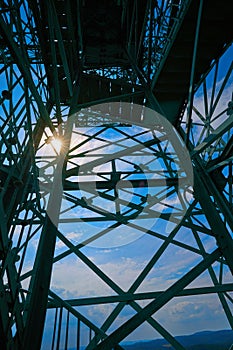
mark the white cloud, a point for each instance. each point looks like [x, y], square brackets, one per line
[74, 278]
[187, 315]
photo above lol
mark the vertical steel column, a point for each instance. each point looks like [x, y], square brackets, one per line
[35, 316]
[193, 67]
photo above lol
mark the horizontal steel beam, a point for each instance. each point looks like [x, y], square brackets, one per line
[108, 184]
[127, 297]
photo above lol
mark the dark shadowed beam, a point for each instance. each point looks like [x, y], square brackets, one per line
[21, 59]
[203, 183]
[171, 82]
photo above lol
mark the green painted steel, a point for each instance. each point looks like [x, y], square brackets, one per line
[59, 61]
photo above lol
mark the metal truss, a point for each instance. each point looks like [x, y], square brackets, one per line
[118, 188]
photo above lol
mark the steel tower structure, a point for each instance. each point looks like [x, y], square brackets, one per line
[58, 59]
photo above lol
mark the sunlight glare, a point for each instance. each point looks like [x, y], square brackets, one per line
[56, 144]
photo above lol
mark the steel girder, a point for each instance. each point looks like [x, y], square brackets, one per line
[50, 69]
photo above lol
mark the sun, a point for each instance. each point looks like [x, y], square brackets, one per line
[56, 143]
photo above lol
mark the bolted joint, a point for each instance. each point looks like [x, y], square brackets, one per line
[230, 108]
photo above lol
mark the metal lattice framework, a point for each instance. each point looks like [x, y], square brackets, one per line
[135, 236]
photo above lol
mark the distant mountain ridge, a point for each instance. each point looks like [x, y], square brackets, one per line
[207, 340]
